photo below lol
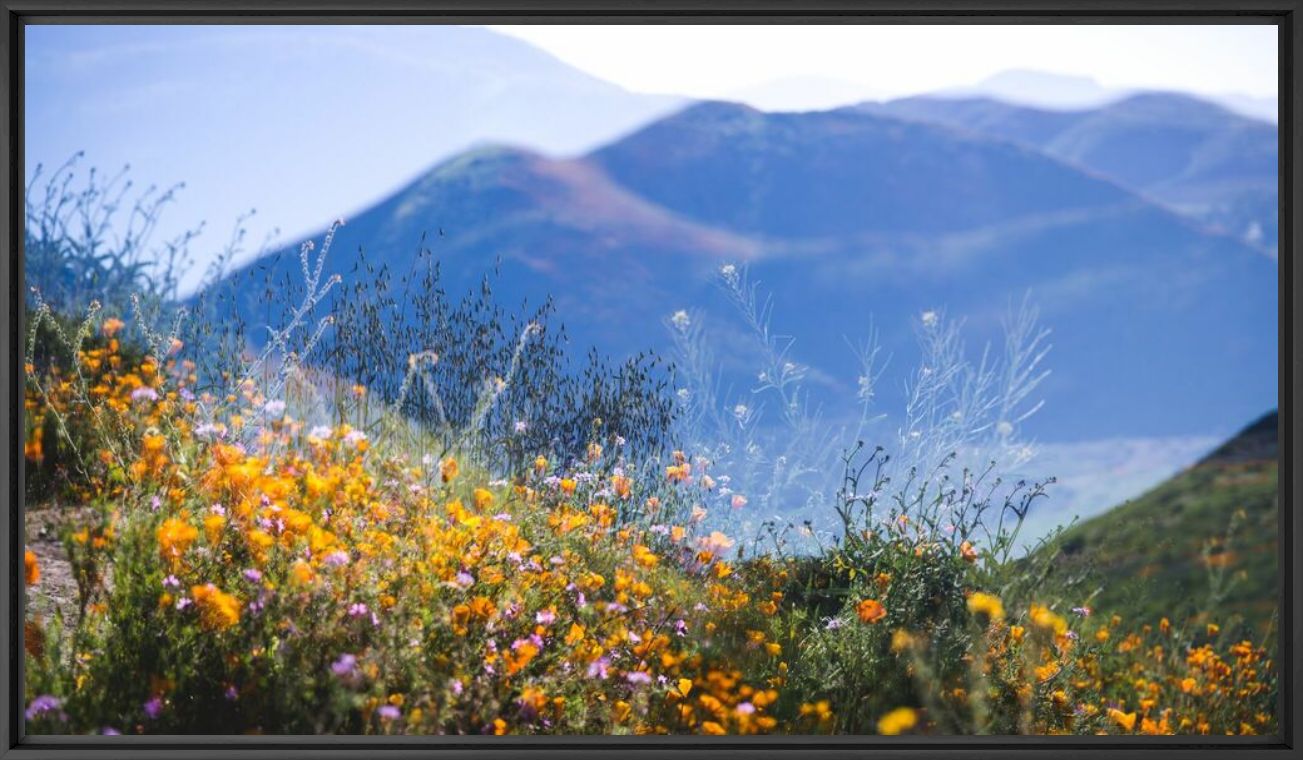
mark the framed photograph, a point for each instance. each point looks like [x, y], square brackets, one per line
[740, 379]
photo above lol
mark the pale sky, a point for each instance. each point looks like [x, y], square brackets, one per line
[716, 61]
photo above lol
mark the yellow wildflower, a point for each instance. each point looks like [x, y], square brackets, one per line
[870, 611]
[31, 568]
[898, 721]
[986, 605]
[218, 610]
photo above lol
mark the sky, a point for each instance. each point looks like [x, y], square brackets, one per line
[713, 61]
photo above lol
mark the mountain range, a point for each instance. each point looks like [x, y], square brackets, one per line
[330, 119]
[1162, 324]
[1072, 92]
[1190, 155]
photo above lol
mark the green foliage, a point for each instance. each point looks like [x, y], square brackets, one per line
[1201, 544]
[66, 359]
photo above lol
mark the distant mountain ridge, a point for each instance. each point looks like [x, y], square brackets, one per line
[1190, 154]
[1160, 327]
[834, 173]
[1072, 92]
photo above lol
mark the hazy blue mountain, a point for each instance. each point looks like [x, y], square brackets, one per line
[1191, 155]
[1160, 327]
[1067, 92]
[834, 175]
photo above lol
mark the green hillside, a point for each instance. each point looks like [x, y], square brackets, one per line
[1203, 540]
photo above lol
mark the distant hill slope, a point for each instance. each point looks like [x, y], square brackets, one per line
[1159, 327]
[1190, 154]
[1209, 533]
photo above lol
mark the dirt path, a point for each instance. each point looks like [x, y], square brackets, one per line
[57, 589]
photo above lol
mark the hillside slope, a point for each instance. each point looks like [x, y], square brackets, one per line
[1205, 539]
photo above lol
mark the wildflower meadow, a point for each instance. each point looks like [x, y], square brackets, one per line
[457, 524]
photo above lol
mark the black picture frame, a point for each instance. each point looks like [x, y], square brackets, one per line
[15, 15]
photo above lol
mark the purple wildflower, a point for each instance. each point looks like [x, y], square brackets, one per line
[598, 668]
[43, 704]
[153, 708]
[345, 666]
[144, 393]
[208, 432]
